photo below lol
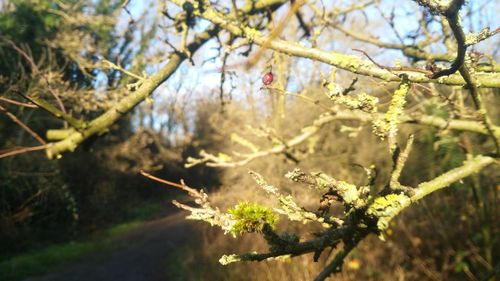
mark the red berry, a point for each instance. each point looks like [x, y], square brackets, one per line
[267, 78]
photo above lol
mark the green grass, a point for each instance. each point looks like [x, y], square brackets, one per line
[54, 257]
[147, 211]
[45, 260]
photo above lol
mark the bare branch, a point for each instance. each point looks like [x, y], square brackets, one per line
[19, 150]
[100, 124]
[18, 103]
[347, 62]
[227, 161]
[34, 69]
[22, 125]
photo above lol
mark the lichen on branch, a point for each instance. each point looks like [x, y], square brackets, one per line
[388, 126]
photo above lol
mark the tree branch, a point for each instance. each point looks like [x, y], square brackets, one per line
[452, 16]
[22, 125]
[433, 121]
[347, 62]
[410, 51]
[470, 167]
[100, 124]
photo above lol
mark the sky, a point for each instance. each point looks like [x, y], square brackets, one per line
[405, 16]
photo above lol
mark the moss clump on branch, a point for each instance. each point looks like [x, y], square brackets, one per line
[251, 217]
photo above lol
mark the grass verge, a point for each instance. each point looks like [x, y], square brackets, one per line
[54, 257]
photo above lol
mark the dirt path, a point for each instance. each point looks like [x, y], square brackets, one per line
[139, 255]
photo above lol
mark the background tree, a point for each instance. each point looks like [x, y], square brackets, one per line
[54, 75]
[349, 101]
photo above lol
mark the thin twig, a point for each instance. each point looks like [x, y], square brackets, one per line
[351, 87]
[191, 191]
[274, 33]
[18, 103]
[19, 150]
[43, 104]
[125, 3]
[306, 98]
[476, 98]
[36, 70]
[147, 175]
[22, 125]
[335, 265]
[399, 164]
[302, 23]
[393, 68]
[483, 36]
[111, 65]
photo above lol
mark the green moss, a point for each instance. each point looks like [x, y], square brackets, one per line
[251, 217]
[48, 259]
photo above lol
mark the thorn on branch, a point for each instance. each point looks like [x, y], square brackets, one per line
[351, 87]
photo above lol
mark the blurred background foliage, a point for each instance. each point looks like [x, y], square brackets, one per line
[43, 201]
[452, 235]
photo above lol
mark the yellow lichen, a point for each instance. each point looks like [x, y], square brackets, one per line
[385, 208]
[388, 125]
